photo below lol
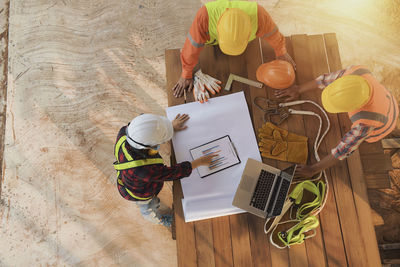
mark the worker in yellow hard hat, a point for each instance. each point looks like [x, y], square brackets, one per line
[231, 25]
[372, 109]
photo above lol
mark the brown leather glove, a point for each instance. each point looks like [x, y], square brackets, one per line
[277, 143]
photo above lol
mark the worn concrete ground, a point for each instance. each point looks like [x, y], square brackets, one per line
[78, 71]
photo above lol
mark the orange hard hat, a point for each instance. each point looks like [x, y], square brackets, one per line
[277, 74]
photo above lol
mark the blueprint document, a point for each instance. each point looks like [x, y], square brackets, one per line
[212, 195]
[225, 155]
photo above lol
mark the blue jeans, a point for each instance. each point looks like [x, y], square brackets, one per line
[149, 209]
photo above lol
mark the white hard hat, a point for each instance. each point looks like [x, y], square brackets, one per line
[149, 130]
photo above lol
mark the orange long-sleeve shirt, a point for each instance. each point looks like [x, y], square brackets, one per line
[198, 36]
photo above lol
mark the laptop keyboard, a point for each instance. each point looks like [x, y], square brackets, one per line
[280, 200]
[263, 188]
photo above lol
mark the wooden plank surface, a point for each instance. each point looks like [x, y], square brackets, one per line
[297, 254]
[238, 240]
[377, 180]
[367, 244]
[355, 249]
[259, 242]
[204, 243]
[187, 255]
[222, 242]
[316, 65]
[376, 163]
[279, 257]
[391, 143]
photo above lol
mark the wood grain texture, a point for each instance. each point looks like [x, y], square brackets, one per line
[335, 244]
[365, 246]
[185, 235]
[377, 180]
[279, 257]
[204, 243]
[314, 51]
[259, 242]
[222, 242]
[240, 241]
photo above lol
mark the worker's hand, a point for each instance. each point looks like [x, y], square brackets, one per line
[181, 85]
[211, 84]
[292, 93]
[179, 121]
[199, 93]
[287, 58]
[306, 171]
[203, 161]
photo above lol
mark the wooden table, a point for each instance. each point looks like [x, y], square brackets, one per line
[345, 237]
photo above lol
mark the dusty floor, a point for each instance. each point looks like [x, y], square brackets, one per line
[78, 71]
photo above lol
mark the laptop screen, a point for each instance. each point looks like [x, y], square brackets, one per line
[290, 170]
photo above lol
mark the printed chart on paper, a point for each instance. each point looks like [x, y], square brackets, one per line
[225, 151]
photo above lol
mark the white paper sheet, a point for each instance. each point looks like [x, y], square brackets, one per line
[226, 115]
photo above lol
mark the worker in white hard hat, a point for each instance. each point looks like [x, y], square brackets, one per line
[141, 172]
[231, 25]
[372, 109]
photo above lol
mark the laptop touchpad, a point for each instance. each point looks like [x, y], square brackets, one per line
[247, 183]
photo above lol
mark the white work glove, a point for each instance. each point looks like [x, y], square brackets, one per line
[208, 82]
[199, 93]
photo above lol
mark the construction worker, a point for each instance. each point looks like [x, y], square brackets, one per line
[140, 169]
[231, 25]
[372, 109]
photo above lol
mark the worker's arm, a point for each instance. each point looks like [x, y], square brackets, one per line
[194, 43]
[308, 171]
[293, 92]
[159, 172]
[268, 30]
[349, 143]
[322, 81]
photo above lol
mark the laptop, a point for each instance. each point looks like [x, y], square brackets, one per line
[263, 189]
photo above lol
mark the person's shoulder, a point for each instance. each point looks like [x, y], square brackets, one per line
[121, 132]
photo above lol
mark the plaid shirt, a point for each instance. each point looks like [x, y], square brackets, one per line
[357, 134]
[148, 180]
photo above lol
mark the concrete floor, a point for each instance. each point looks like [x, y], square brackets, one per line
[78, 71]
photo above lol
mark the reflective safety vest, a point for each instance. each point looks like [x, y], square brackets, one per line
[215, 10]
[131, 163]
[381, 111]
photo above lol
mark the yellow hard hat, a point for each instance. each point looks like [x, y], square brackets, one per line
[234, 29]
[346, 94]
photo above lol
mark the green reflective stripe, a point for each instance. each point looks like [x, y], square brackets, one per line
[274, 30]
[127, 155]
[193, 42]
[118, 145]
[137, 163]
[360, 72]
[130, 192]
[132, 195]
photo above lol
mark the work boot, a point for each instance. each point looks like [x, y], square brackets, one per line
[166, 220]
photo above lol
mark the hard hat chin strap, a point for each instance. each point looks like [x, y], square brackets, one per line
[127, 135]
